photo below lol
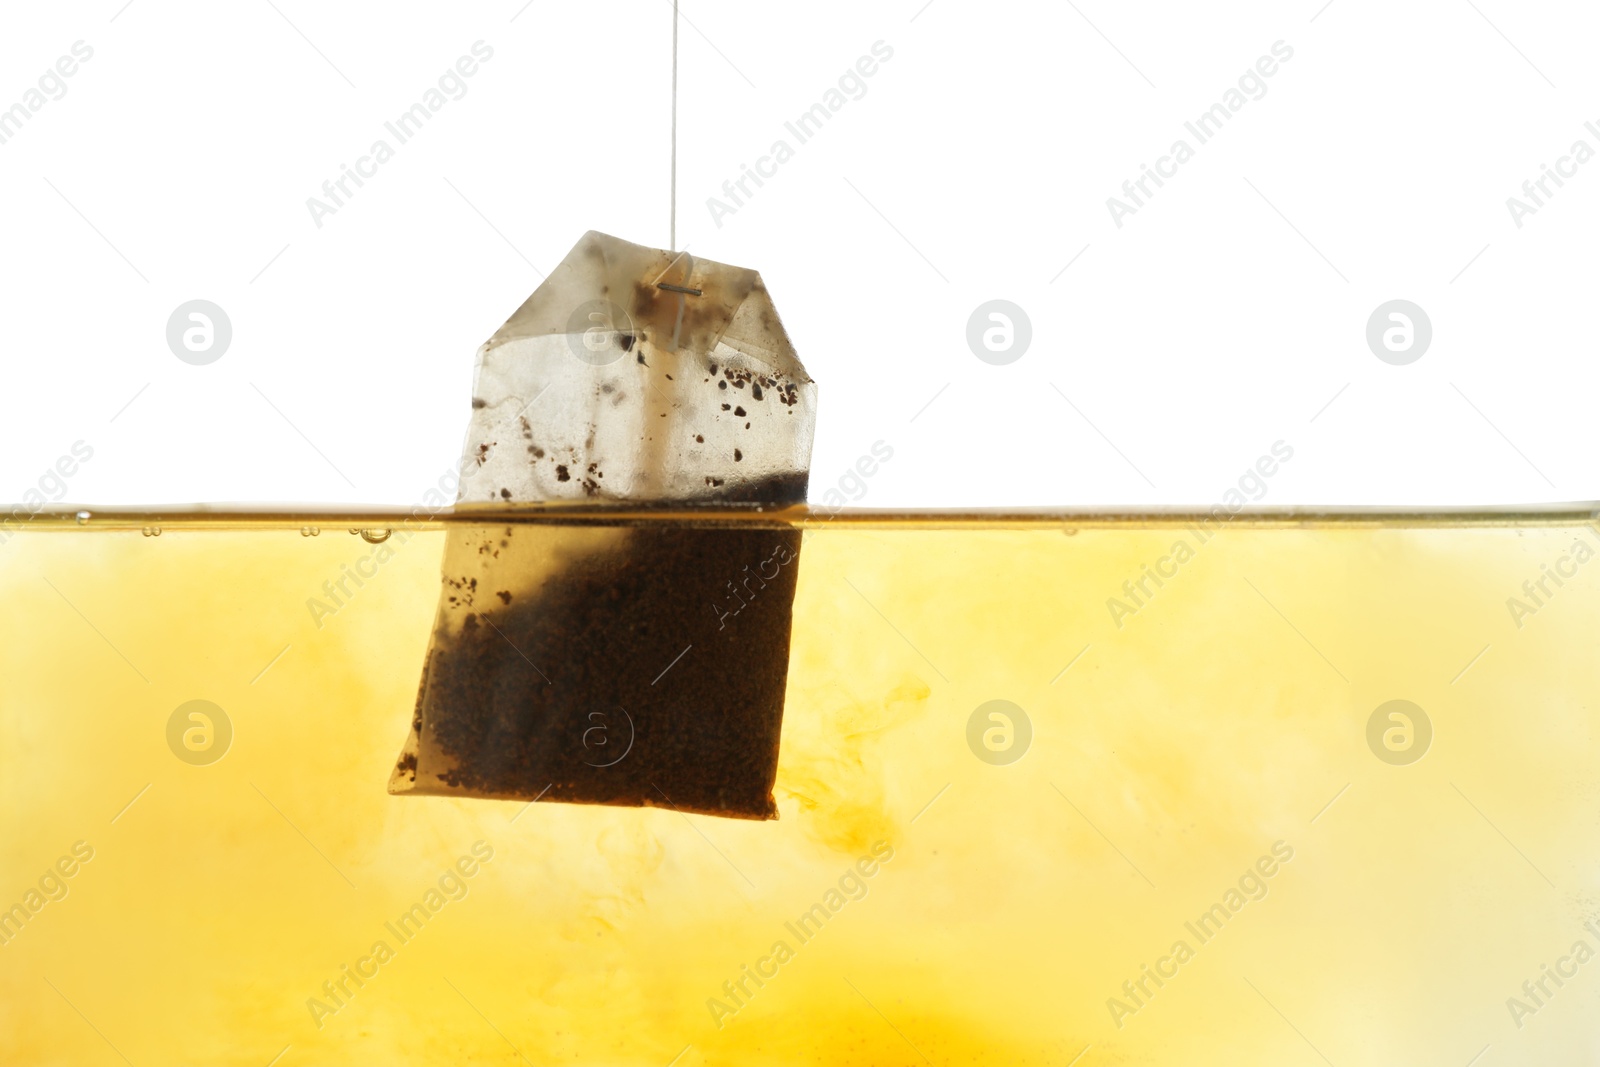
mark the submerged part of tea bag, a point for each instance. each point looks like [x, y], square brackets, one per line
[641, 664]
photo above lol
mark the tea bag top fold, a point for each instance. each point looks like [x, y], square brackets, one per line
[638, 375]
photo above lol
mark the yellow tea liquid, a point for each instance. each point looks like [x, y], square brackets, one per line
[1053, 789]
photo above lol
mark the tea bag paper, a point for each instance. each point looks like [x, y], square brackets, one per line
[598, 662]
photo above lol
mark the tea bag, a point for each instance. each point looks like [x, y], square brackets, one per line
[591, 660]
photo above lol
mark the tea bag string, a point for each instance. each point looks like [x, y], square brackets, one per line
[672, 241]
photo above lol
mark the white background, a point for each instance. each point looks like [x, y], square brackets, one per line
[1227, 314]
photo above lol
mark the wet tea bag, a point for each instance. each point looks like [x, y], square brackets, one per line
[591, 660]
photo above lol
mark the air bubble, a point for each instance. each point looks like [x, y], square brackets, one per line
[83, 518]
[310, 531]
[151, 531]
[375, 537]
